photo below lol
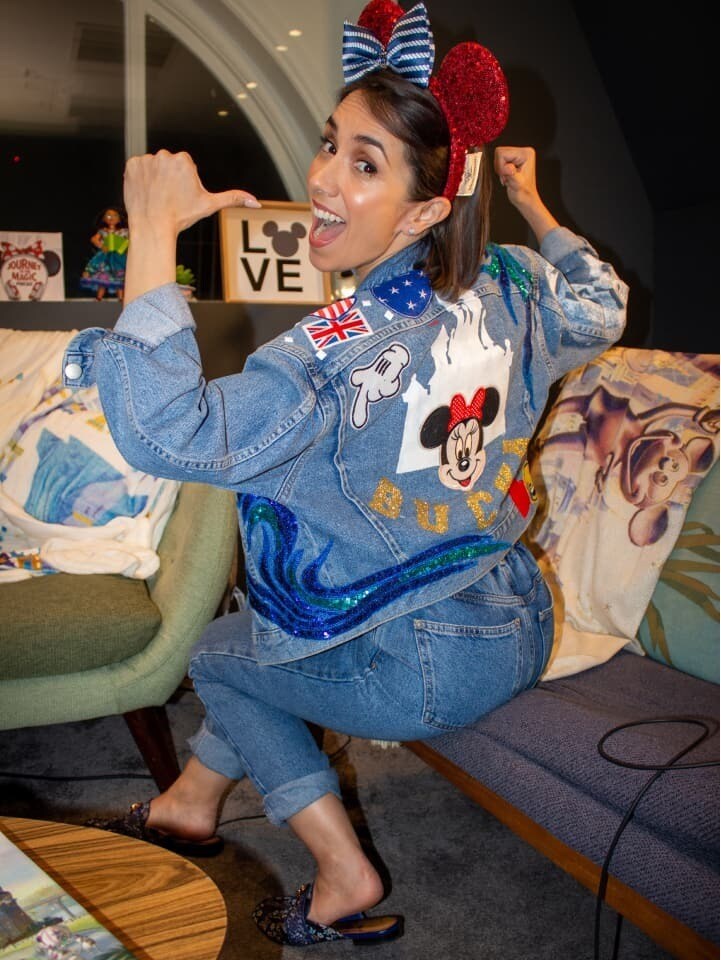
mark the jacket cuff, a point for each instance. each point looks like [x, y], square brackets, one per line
[79, 358]
[155, 316]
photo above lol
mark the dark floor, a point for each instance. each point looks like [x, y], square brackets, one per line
[468, 887]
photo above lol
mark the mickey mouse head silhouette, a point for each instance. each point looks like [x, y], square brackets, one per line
[285, 242]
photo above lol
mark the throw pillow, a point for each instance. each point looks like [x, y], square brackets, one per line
[625, 444]
[681, 625]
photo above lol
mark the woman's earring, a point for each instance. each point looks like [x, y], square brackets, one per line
[411, 231]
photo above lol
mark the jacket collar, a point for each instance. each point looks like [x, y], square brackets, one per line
[404, 261]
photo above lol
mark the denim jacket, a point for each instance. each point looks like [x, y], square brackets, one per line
[377, 449]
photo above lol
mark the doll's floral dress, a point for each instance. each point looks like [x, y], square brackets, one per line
[107, 268]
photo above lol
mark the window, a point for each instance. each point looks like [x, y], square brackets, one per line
[62, 120]
[62, 117]
[187, 109]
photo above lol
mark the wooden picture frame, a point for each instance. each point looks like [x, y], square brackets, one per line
[264, 255]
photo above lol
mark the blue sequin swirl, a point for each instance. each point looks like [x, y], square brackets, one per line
[296, 600]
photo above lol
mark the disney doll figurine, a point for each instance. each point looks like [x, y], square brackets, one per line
[105, 271]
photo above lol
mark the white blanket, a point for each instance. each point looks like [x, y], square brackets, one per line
[68, 500]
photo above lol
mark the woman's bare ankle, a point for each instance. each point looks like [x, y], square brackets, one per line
[340, 890]
[171, 812]
[189, 807]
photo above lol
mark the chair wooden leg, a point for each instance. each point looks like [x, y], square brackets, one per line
[317, 732]
[151, 732]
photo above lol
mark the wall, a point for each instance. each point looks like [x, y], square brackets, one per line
[686, 252]
[226, 332]
[559, 104]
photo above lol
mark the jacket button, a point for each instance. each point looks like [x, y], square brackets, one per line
[73, 371]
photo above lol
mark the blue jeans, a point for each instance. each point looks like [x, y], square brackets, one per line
[436, 669]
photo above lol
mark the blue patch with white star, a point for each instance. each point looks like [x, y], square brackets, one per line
[407, 295]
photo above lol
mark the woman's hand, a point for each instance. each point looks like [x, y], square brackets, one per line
[164, 195]
[164, 189]
[516, 169]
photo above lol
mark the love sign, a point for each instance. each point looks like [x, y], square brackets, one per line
[265, 255]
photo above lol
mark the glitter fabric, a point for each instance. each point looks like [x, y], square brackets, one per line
[460, 410]
[504, 268]
[298, 602]
[504, 478]
[471, 88]
[387, 499]
[380, 16]
[501, 266]
[518, 445]
[285, 920]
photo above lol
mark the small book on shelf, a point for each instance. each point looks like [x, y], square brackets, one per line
[39, 920]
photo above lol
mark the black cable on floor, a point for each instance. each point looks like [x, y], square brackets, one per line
[341, 749]
[659, 770]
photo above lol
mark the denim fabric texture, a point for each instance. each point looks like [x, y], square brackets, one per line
[415, 677]
[379, 456]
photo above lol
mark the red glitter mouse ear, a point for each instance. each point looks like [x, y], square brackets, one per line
[380, 16]
[473, 93]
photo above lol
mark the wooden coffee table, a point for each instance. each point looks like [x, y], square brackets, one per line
[161, 906]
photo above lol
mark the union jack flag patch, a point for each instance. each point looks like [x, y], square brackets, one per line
[337, 323]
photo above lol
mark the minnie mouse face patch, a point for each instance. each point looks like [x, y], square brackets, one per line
[458, 430]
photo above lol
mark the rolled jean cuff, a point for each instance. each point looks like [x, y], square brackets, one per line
[284, 802]
[216, 754]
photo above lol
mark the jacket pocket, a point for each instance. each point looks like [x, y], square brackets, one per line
[467, 670]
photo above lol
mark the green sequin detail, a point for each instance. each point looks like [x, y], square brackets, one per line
[501, 266]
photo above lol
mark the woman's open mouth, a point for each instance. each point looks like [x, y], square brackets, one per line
[326, 226]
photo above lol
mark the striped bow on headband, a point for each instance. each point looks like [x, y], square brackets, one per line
[409, 51]
[470, 86]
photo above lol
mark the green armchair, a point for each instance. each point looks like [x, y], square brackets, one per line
[75, 647]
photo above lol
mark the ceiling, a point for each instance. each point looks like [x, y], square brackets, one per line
[67, 78]
[659, 72]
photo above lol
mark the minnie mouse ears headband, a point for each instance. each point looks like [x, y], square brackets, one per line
[470, 85]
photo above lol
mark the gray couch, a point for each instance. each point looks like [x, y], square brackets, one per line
[534, 763]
